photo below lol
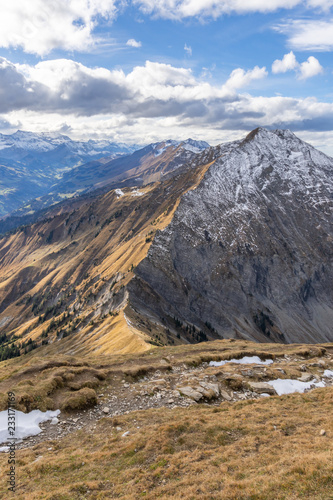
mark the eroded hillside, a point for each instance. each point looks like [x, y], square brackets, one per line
[64, 277]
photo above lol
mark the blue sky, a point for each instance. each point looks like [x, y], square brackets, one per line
[143, 70]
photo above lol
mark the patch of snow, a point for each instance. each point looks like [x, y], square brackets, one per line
[4, 449]
[328, 373]
[295, 154]
[246, 360]
[119, 193]
[158, 152]
[137, 193]
[288, 386]
[26, 424]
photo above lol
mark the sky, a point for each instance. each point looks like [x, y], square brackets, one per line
[140, 71]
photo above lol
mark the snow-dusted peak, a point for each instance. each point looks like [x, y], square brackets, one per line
[194, 146]
[266, 167]
[187, 145]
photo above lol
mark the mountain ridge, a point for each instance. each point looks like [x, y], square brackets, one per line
[266, 197]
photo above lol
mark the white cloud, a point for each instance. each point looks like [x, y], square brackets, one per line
[39, 26]
[149, 103]
[306, 69]
[188, 49]
[240, 78]
[321, 4]
[288, 63]
[133, 43]
[314, 35]
[180, 9]
[310, 68]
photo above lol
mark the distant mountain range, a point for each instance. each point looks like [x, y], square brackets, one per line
[39, 170]
[31, 163]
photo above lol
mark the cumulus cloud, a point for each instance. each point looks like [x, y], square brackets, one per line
[133, 43]
[310, 68]
[288, 63]
[307, 69]
[314, 35]
[38, 26]
[240, 78]
[151, 102]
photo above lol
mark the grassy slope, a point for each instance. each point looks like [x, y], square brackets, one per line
[78, 257]
[262, 449]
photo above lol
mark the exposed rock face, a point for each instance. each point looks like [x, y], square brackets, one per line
[250, 250]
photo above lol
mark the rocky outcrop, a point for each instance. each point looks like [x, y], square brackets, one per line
[249, 252]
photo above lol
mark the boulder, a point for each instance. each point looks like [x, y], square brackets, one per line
[261, 387]
[306, 377]
[190, 393]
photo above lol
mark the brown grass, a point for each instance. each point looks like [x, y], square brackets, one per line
[40, 381]
[260, 450]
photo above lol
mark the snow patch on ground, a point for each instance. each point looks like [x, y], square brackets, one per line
[288, 386]
[328, 373]
[246, 360]
[26, 424]
[137, 193]
[119, 193]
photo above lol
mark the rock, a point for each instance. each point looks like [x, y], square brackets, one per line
[190, 393]
[306, 377]
[127, 433]
[261, 387]
[322, 432]
[247, 373]
[225, 395]
[106, 410]
[118, 429]
[54, 420]
[303, 368]
[207, 393]
[211, 387]
[171, 401]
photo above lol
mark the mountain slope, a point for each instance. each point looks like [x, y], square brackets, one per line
[66, 275]
[145, 165]
[249, 252]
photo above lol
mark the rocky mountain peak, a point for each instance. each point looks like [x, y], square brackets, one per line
[262, 211]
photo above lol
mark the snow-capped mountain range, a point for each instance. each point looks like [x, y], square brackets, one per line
[38, 170]
[46, 142]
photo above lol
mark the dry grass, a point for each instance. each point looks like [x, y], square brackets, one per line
[41, 381]
[260, 450]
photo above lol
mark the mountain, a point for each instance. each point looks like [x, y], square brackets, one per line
[66, 274]
[143, 166]
[233, 241]
[101, 297]
[249, 251]
[31, 163]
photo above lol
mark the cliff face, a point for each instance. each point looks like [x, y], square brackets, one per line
[250, 250]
